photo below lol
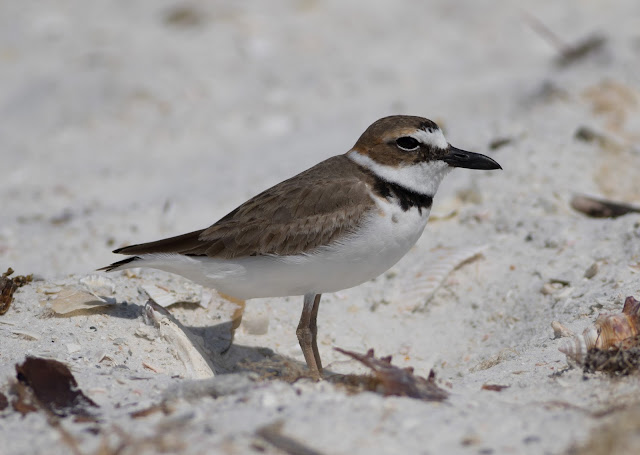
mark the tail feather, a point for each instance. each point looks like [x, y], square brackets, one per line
[117, 265]
[177, 244]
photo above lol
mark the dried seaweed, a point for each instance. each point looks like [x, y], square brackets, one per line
[613, 361]
[391, 380]
[8, 286]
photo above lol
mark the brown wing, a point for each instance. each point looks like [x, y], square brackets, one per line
[314, 208]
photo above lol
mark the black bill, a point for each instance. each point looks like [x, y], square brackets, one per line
[461, 158]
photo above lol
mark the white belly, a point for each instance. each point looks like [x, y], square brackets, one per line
[385, 237]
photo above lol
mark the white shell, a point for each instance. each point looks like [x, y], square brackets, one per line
[574, 348]
[591, 338]
[167, 297]
[72, 299]
[99, 284]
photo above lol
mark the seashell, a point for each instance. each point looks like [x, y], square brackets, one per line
[417, 288]
[560, 330]
[166, 297]
[591, 271]
[614, 328]
[610, 331]
[99, 284]
[71, 299]
[26, 335]
[575, 348]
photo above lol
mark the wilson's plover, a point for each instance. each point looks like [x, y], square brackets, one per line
[338, 224]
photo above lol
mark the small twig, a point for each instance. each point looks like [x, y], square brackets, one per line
[539, 27]
[567, 53]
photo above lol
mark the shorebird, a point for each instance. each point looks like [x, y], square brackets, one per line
[336, 225]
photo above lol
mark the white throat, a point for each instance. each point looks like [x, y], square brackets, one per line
[423, 178]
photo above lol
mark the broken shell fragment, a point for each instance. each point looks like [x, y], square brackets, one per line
[560, 330]
[71, 299]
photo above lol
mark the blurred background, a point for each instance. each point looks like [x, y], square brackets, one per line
[124, 121]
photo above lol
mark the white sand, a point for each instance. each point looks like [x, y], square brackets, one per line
[117, 127]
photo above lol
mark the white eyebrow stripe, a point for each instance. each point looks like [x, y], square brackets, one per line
[434, 139]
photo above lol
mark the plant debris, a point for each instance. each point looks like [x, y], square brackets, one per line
[500, 142]
[8, 286]
[617, 361]
[494, 387]
[583, 48]
[601, 208]
[272, 433]
[391, 380]
[586, 134]
[50, 384]
[184, 16]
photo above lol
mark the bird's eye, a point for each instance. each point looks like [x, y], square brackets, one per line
[407, 143]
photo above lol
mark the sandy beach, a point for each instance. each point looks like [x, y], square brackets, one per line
[125, 122]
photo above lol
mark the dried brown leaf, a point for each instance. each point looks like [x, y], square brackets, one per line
[54, 387]
[601, 208]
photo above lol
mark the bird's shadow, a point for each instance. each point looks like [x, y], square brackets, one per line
[227, 357]
[215, 345]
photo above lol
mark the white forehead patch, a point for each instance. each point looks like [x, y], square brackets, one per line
[433, 138]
